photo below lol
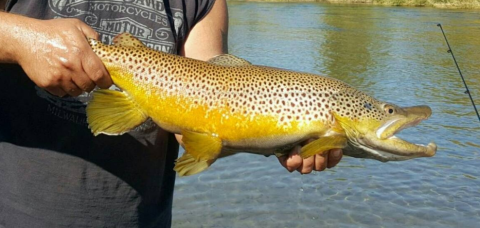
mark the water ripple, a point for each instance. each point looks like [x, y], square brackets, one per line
[393, 53]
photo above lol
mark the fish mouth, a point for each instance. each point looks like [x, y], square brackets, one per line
[407, 117]
[384, 146]
[391, 149]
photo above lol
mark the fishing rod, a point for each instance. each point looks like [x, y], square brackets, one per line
[459, 71]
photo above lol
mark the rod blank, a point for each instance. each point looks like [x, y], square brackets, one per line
[467, 91]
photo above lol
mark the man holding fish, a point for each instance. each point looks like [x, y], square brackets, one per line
[53, 171]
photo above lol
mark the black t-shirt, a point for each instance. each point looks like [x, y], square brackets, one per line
[53, 171]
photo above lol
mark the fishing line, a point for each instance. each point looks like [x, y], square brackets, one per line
[459, 71]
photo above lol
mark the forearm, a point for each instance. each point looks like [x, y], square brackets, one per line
[54, 54]
[208, 38]
[11, 35]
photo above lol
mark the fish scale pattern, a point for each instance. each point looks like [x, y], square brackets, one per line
[229, 103]
[247, 90]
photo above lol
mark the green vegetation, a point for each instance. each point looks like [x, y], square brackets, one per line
[465, 4]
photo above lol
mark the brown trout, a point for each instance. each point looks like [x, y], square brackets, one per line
[227, 105]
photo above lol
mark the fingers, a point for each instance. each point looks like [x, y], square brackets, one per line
[95, 72]
[335, 155]
[68, 88]
[92, 72]
[293, 161]
[60, 80]
[92, 64]
[72, 89]
[80, 73]
[76, 78]
[81, 80]
[61, 61]
[94, 68]
[319, 162]
[307, 165]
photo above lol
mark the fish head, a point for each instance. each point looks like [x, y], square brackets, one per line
[370, 126]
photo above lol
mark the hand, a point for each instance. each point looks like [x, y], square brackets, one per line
[318, 162]
[56, 56]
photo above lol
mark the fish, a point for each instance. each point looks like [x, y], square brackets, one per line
[227, 105]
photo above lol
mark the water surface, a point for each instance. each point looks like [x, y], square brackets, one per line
[396, 54]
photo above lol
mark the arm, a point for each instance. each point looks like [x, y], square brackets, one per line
[208, 38]
[54, 54]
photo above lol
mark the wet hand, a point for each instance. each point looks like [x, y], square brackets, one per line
[56, 56]
[318, 162]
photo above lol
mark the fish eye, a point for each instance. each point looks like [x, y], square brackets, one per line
[389, 109]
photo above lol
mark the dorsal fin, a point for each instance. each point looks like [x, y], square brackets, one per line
[229, 60]
[127, 39]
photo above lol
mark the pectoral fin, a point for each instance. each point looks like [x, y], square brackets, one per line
[201, 150]
[323, 144]
[113, 113]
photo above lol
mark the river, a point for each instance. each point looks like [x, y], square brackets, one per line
[396, 54]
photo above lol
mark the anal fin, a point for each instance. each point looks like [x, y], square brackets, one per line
[187, 165]
[323, 144]
[113, 113]
[201, 150]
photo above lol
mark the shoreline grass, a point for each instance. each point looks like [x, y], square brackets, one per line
[448, 4]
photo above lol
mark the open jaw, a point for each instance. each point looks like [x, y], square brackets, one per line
[394, 149]
[390, 147]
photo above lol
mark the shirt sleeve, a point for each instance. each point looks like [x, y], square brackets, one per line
[196, 10]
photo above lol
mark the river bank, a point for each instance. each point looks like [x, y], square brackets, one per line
[453, 4]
